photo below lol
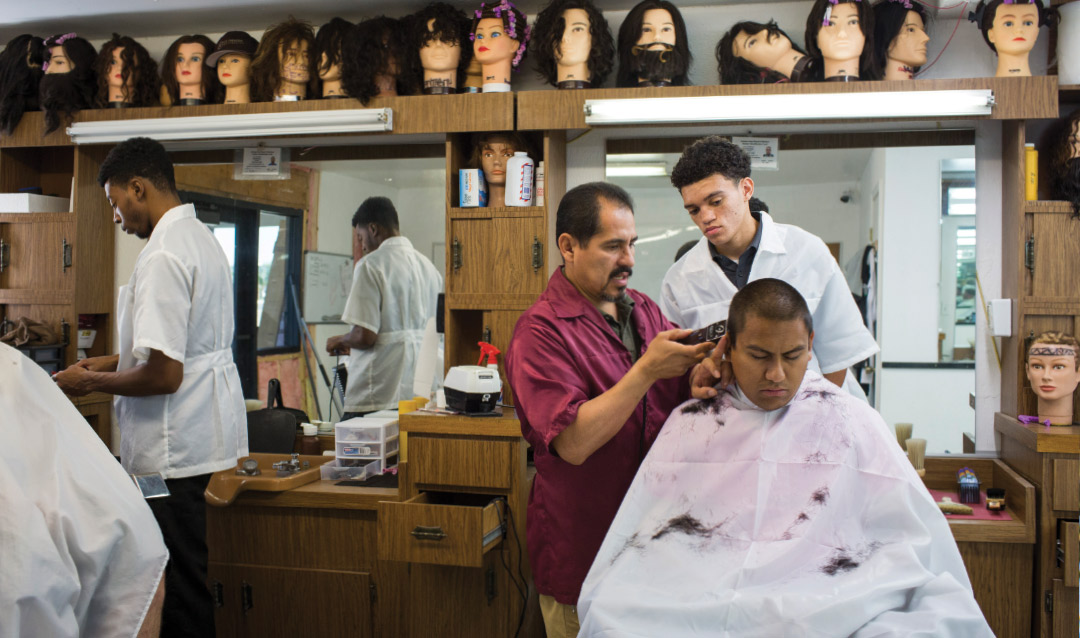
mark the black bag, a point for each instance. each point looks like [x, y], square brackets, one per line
[273, 429]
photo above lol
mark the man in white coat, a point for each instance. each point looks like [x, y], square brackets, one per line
[179, 404]
[394, 292]
[740, 246]
[781, 507]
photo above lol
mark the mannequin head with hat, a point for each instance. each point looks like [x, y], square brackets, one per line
[232, 59]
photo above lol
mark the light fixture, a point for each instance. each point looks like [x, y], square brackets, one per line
[622, 169]
[204, 127]
[813, 106]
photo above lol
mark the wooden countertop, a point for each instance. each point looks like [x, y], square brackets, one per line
[1064, 439]
[420, 422]
[321, 495]
[992, 472]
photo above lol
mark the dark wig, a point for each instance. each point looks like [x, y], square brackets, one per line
[1064, 169]
[372, 49]
[736, 70]
[20, 76]
[548, 32]
[889, 18]
[265, 65]
[513, 138]
[61, 95]
[868, 69]
[139, 68]
[984, 14]
[450, 26]
[630, 32]
[211, 86]
[329, 41]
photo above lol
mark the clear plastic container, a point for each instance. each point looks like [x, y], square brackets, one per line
[367, 449]
[365, 430]
[340, 469]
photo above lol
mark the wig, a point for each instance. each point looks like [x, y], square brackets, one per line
[451, 26]
[737, 70]
[374, 48]
[20, 77]
[889, 18]
[868, 69]
[266, 65]
[516, 140]
[1064, 169]
[140, 71]
[629, 53]
[548, 32]
[211, 86]
[328, 42]
[61, 95]
[984, 14]
[514, 22]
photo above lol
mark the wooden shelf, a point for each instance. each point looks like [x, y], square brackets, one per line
[506, 425]
[27, 218]
[1019, 499]
[496, 211]
[1069, 92]
[1047, 206]
[1064, 439]
[34, 297]
[1017, 98]
[476, 301]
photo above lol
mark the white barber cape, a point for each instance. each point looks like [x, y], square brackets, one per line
[394, 292]
[696, 293]
[179, 301]
[803, 521]
[80, 551]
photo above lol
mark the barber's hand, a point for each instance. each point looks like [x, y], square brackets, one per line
[712, 368]
[98, 364]
[335, 345]
[74, 381]
[666, 357]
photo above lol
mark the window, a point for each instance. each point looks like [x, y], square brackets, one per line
[263, 246]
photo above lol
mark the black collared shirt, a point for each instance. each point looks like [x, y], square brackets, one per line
[738, 272]
[623, 325]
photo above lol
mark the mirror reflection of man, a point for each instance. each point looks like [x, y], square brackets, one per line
[394, 292]
[595, 369]
[781, 507]
[741, 245]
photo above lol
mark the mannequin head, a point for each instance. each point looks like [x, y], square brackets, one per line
[1053, 370]
[374, 54]
[490, 152]
[653, 46]
[126, 73]
[69, 84]
[571, 33]
[899, 37]
[1010, 26]
[327, 55]
[231, 61]
[1063, 160]
[184, 70]
[500, 36]
[750, 52]
[20, 77]
[438, 47]
[840, 39]
[284, 64]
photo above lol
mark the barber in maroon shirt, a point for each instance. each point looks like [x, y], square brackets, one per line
[595, 369]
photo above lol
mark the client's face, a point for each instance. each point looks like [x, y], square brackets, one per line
[769, 360]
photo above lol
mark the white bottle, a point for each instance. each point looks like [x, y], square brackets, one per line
[519, 180]
[539, 191]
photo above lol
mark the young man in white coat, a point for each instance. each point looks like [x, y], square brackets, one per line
[740, 246]
[179, 404]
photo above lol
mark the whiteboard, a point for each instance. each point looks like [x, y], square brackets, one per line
[327, 281]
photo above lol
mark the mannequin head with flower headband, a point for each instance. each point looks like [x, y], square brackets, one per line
[899, 38]
[500, 35]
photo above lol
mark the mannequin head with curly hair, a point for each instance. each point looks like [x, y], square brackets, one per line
[185, 75]
[500, 37]
[840, 39]
[284, 68]
[437, 48]
[20, 76]
[69, 84]
[374, 55]
[571, 42]
[1063, 159]
[759, 53]
[328, 43]
[126, 74]
[653, 47]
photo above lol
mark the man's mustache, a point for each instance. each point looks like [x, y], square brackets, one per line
[629, 272]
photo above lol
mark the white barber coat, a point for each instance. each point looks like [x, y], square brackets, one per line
[394, 292]
[180, 301]
[696, 293]
[80, 551]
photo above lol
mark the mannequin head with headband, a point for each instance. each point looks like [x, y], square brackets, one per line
[1053, 370]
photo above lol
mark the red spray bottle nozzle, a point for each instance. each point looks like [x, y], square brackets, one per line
[489, 352]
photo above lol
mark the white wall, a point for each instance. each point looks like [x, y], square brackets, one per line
[934, 401]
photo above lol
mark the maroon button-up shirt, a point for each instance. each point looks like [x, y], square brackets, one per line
[563, 354]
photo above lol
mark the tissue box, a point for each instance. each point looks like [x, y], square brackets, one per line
[30, 203]
[472, 188]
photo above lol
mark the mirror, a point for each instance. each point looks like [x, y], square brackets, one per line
[914, 205]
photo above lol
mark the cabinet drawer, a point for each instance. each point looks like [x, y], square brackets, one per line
[1070, 542]
[1066, 489]
[460, 462]
[441, 529]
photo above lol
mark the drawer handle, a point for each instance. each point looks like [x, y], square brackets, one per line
[428, 533]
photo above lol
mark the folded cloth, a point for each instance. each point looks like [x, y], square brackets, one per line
[28, 332]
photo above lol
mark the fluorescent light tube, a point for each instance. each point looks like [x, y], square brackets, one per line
[812, 106]
[636, 170]
[205, 127]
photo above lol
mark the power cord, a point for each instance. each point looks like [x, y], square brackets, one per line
[523, 589]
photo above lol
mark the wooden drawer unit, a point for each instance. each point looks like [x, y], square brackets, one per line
[441, 529]
[1070, 547]
[1065, 490]
[460, 463]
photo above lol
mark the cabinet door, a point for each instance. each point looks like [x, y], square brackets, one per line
[496, 259]
[223, 581]
[33, 254]
[1066, 608]
[1056, 246]
[461, 601]
[498, 328]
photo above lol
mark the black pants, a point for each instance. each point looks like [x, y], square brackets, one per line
[189, 609]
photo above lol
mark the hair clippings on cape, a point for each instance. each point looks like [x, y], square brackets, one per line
[1023, 418]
